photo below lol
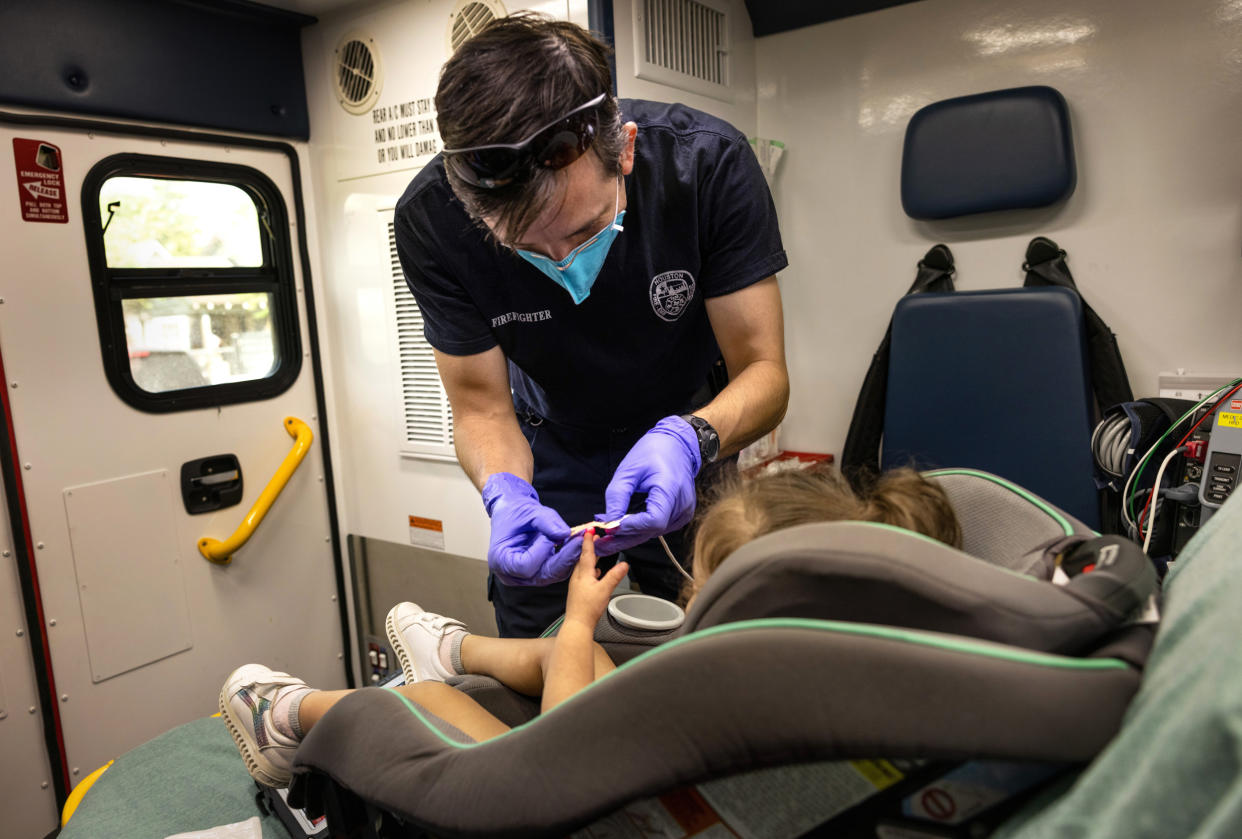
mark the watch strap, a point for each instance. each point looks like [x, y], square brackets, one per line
[709, 439]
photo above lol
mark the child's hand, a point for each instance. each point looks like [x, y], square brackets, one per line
[588, 592]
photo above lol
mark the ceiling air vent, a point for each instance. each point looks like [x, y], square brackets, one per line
[469, 17]
[683, 44]
[357, 72]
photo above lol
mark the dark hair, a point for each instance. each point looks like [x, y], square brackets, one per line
[518, 74]
[744, 509]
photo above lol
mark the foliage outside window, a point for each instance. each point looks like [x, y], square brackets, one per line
[199, 308]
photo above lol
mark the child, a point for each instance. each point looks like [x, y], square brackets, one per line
[268, 712]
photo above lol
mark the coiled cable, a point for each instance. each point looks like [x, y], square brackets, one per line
[1110, 444]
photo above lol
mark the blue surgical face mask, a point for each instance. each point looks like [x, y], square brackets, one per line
[576, 273]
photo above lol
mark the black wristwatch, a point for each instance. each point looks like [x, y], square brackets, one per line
[709, 440]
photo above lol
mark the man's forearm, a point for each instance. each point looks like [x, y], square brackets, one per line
[490, 443]
[752, 404]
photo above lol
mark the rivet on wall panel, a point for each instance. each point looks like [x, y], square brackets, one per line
[32, 709]
[64, 697]
[43, 785]
[52, 622]
[20, 633]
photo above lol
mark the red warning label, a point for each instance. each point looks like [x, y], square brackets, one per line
[40, 181]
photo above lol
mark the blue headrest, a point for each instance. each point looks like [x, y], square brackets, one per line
[1003, 150]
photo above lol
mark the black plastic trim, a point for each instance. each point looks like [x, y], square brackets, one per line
[599, 21]
[111, 286]
[32, 610]
[75, 124]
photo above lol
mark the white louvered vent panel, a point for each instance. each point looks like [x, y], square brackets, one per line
[358, 73]
[469, 18]
[683, 44]
[428, 419]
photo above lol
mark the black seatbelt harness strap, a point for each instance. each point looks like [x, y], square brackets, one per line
[861, 455]
[1045, 266]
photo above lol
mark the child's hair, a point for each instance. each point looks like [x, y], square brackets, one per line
[744, 509]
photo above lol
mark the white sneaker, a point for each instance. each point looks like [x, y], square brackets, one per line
[415, 636]
[246, 707]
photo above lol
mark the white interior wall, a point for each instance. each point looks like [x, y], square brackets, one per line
[379, 488]
[1153, 231]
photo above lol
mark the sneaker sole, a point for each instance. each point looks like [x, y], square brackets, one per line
[398, 646]
[259, 767]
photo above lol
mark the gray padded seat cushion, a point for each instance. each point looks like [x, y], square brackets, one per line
[877, 574]
[1002, 523]
[686, 712]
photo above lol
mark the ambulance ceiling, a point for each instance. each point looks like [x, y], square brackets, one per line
[767, 16]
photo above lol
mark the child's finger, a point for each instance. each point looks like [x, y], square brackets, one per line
[588, 548]
[586, 559]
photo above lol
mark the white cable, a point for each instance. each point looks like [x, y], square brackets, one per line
[1155, 499]
[673, 559]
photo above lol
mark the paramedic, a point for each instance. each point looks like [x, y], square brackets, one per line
[581, 263]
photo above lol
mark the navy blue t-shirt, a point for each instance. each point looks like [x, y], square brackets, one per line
[699, 223]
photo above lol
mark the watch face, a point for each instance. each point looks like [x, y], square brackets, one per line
[711, 446]
[709, 440]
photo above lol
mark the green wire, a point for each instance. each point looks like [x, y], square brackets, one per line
[1138, 470]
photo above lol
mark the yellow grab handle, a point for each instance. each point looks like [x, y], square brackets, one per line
[222, 552]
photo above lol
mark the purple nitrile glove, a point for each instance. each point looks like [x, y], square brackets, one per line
[662, 464]
[522, 548]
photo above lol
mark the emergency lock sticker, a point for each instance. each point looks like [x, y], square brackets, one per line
[40, 181]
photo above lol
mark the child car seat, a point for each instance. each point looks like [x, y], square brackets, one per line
[827, 641]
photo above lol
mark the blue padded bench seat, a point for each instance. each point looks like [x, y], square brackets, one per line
[1004, 374]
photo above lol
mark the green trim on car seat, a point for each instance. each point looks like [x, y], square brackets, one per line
[1012, 487]
[551, 630]
[889, 633]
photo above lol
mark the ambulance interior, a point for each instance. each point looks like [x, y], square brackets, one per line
[227, 439]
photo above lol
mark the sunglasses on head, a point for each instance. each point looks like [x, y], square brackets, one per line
[554, 146]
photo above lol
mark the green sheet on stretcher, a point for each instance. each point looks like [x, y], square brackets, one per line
[190, 778]
[1175, 769]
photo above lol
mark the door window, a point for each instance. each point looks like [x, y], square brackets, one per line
[192, 274]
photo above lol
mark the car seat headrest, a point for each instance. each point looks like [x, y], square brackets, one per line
[1004, 523]
[874, 573]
